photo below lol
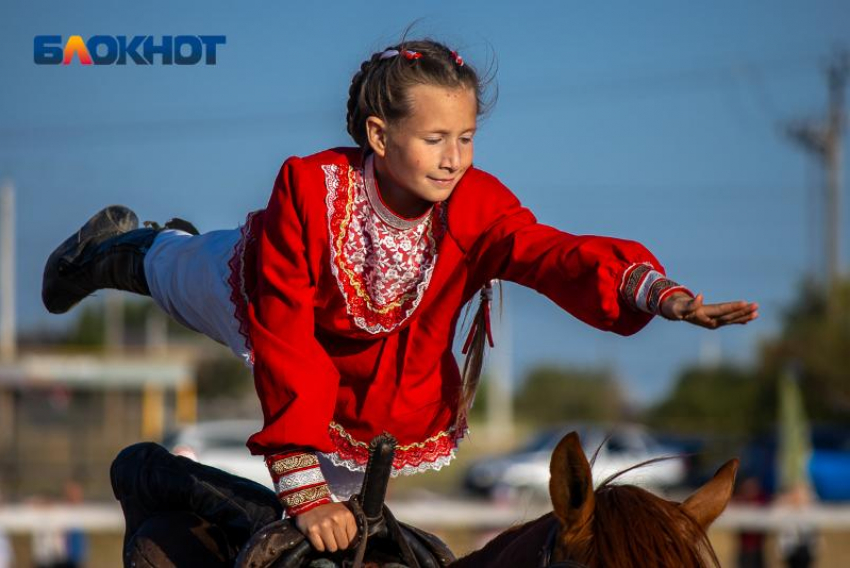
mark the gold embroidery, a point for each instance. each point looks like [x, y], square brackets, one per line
[631, 285]
[289, 463]
[305, 496]
[658, 288]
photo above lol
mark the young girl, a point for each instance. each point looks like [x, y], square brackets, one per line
[344, 293]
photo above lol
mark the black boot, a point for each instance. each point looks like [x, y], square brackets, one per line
[107, 252]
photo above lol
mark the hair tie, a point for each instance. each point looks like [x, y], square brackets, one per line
[458, 59]
[411, 55]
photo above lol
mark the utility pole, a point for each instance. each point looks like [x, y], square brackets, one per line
[8, 341]
[823, 139]
[837, 72]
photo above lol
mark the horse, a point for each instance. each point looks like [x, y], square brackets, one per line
[614, 526]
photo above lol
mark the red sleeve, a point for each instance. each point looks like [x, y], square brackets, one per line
[294, 376]
[583, 274]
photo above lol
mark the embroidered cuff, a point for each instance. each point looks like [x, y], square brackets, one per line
[644, 288]
[298, 481]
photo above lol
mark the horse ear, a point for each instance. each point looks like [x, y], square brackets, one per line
[571, 485]
[706, 504]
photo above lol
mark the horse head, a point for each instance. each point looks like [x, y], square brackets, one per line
[623, 525]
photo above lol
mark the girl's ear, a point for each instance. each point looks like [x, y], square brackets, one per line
[376, 134]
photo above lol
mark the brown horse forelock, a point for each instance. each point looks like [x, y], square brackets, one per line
[631, 528]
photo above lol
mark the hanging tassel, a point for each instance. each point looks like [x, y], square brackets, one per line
[483, 313]
[474, 347]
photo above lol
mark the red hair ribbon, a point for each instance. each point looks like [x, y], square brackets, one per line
[458, 59]
[412, 55]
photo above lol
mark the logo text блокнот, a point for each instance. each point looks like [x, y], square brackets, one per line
[120, 50]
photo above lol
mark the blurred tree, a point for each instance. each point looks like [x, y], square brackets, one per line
[550, 395]
[816, 344]
[90, 327]
[224, 376]
[730, 400]
[478, 412]
[717, 400]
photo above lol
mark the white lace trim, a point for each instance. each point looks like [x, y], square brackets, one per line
[240, 249]
[388, 264]
[352, 464]
[435, 465]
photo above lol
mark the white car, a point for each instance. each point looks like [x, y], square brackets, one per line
[221, 444]
[526, 470]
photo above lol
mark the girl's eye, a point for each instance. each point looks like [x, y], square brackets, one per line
[467, 140]
[432, 141]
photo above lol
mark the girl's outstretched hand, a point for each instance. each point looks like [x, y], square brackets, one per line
[680, 306]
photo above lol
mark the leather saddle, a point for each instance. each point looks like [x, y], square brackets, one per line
[381, 539]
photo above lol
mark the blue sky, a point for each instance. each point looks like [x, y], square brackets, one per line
[659, 122]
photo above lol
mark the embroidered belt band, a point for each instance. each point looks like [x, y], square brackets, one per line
[644, 288]
[298, 481]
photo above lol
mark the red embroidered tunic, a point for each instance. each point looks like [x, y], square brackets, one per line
[351, 310]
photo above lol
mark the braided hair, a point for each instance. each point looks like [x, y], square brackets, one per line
[380, 87]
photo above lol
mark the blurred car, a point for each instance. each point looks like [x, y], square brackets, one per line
[221, 444]
[526, 470]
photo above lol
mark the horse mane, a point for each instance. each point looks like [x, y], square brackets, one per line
[632, 527]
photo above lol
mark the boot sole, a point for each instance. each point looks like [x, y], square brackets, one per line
[58, 295]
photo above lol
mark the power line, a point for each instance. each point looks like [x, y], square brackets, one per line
[625, 87]
[696, 78]
[133, 129]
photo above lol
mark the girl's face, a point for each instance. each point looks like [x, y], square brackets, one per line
[420, 159]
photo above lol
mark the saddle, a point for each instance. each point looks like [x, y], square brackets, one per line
[381, 539]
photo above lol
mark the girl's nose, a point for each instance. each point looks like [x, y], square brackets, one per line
[451, 157]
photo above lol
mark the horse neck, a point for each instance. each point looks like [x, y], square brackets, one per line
[518, 546]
